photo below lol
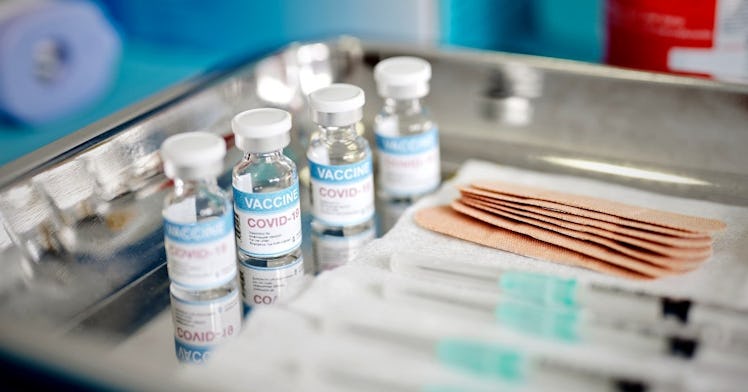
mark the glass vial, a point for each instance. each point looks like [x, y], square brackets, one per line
[198, 217]
[342, 186]
[406, 136]
[267, 207]
[200, 247]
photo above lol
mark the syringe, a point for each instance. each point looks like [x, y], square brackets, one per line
[478, 349]
[717, 326]
[568, 325]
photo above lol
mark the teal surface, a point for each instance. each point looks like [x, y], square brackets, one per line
[539, 288]
[482, 359]
[571, 29]
[144, 70]
[555, 324]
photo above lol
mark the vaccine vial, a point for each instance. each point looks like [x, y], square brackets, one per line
[407, 138]
[200, 247]
[267, 207]
[340, 165]
[198, 217]
[204, 319]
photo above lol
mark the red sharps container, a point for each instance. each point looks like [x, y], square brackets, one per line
[694, 37]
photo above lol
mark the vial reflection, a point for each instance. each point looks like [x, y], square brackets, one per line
[332, 251]
[390, 212]
[203, 320]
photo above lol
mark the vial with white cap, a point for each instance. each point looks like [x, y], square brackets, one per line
[342, 186]
[198, 217]
[200, 247]
[267, 207]
[406, 136]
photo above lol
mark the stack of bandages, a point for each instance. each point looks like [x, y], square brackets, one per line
[601, 235]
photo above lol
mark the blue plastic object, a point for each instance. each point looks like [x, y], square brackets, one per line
[144, 70]
[55, 58]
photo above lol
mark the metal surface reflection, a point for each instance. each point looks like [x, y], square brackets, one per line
[81, 245]
[332, 251]
[510, 92]
[390, 211]
[620, 170]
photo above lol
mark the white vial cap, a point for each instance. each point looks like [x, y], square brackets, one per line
[337, 105]
[193, 155]
[402, 77]
[262, 130]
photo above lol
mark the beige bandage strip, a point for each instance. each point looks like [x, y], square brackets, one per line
[634, 213]
[668, 262]
[587, 248]
[698, 254]
[444, 220]
[584, 212]
[589, 223]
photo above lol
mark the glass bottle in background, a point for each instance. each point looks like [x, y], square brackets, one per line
[267, 207]
[342, 185]
[200, 247]
[407, 138]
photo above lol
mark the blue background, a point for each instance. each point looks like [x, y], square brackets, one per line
[168, 41]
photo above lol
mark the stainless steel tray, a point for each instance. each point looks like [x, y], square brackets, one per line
[82, 251]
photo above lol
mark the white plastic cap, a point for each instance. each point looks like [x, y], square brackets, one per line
[403, 77]
[337, 105]
[262, 130]
[193, 155]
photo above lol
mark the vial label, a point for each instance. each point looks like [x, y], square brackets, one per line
[268, 224]
[342, 195]
[201, 254]
[333, 251]
[409, 165]
[263, 286]
[200, 326]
